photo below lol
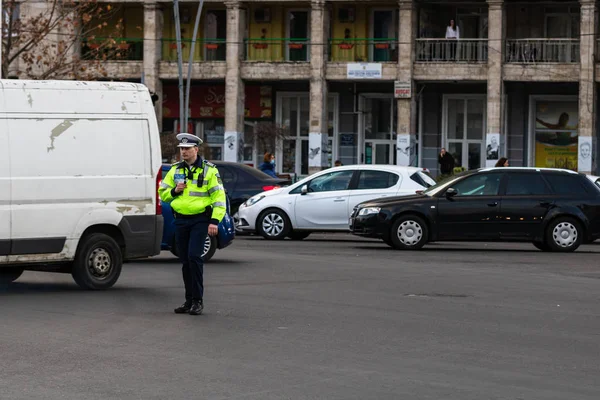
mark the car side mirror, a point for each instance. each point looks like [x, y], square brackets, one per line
[451, 192]
[304, 190]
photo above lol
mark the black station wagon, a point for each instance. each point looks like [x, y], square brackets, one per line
[555, 209]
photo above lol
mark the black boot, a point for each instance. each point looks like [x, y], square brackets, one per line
[184, 308]
[197, 307]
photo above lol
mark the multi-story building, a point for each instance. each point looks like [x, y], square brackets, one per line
[378, 81]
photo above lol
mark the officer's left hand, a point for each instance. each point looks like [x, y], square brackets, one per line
[213, 230]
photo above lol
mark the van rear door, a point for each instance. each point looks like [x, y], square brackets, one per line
[5, 194]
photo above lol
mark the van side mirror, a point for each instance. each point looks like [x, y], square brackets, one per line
[304, 190]
[451, 192]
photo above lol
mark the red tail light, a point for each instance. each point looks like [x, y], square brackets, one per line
[271, 187]
[158, 180]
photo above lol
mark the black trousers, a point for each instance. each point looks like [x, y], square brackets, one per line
[190, 235]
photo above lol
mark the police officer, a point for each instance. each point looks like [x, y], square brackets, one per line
[195, 191]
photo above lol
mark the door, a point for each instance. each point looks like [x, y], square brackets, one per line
[472, 212]
[384, 34]
[325, 206]
[373, 184]
[5, 187]
[379, 119]
[298, 35]
[464, 130]
[215, 35]
[525, 203]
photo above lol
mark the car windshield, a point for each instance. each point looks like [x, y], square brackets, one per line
[423, 178]
[441, 186]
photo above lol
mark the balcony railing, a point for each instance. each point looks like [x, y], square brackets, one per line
[361, 50]
[112, 49]
[542, 50]
[205, 49]
[277, 50]
[451, 51]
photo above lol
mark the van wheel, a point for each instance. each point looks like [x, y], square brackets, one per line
[564, 234]
[409, 232]
[273, 224]
[9, 274]
[210, 247]
[98, 262]
[298, 235]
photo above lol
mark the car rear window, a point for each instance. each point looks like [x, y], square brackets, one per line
[423, 178]
[256, 173]
[566, 184]
[526, 184]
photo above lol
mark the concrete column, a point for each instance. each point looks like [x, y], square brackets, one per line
[234, 86]
[586, 159]
[407, 107]
[318, 130]
[153, 27]
[495, 85]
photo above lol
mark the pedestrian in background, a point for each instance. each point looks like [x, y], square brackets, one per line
[268, 165]
[195, 191]
[337, 163]
[502, 162]
[446, 163]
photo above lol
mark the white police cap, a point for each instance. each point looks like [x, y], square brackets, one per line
[188, 140]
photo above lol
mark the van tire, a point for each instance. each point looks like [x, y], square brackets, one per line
[98, 262]
[10, 274]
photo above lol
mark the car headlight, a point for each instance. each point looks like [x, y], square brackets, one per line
[369, 211]
[253, 200]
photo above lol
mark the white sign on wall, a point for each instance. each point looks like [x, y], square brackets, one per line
[363, 71]
[402, 90]
[492, 149]
[584, 155]
[405, 150]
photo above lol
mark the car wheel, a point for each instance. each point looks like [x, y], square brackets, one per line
[409, 232]
[388, 242]
[210, 247]
[98, 262]
[564, 234]
[298, 235]
[273, 224]
[542, 246]
[9, 274]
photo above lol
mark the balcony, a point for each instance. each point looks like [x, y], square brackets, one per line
[363, 50]
[451, 51]
[112, 49]
[564, 51]
[204, 50]
[277, 50]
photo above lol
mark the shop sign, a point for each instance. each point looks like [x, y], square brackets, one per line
[208, 101]
[402, 90]
[363, 71]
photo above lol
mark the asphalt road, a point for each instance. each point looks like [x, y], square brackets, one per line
[330, 317]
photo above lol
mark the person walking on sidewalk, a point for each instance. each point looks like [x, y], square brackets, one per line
[195, 190]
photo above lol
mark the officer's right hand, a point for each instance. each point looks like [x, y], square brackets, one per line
[180, 187]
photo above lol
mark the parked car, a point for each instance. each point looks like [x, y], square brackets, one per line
[324, 201]
[556, 210]
[211, 244]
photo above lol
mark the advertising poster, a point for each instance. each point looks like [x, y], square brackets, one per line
[556, 134]
[406, 150]
[492, 149]
[585, 154]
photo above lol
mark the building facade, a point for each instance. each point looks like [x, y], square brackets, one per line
[378, 81]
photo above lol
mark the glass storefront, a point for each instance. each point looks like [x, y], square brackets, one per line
[379, 126]
[464, 134]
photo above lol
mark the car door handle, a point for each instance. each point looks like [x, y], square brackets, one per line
[494, 204]
[545, 203]
[339, 200]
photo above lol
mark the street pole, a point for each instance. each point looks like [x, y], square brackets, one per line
[189, 73]
[182, 128]
[1, 36]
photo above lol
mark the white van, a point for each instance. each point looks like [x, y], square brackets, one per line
[79, 168]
